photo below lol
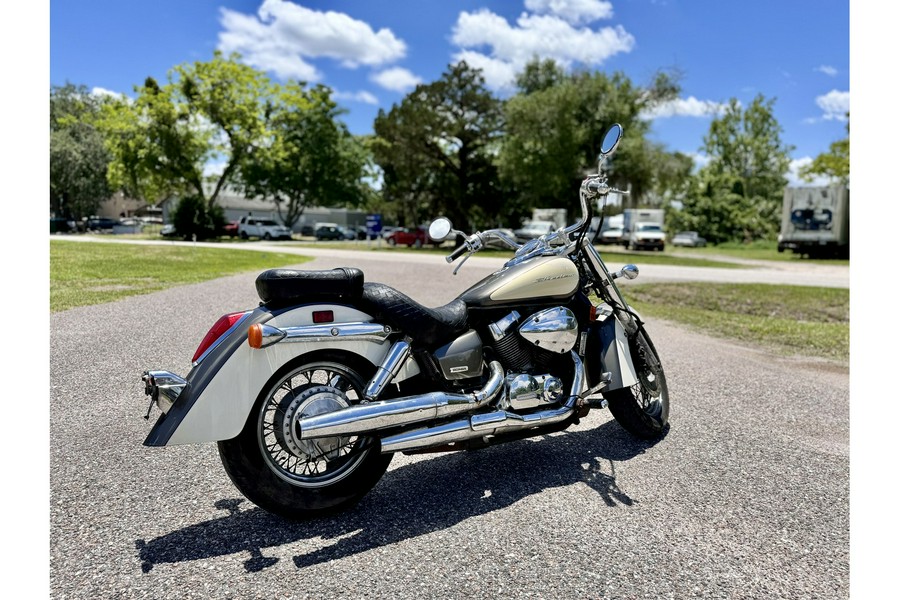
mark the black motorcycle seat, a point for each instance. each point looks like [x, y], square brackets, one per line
[290, 286]
[428, 327]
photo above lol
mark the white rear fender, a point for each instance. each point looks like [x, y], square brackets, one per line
[220, 409]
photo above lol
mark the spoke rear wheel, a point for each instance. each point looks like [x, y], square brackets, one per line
[297, 478]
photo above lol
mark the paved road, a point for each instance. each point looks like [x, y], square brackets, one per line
[746, 497]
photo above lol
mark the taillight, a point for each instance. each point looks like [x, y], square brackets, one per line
[224, 323]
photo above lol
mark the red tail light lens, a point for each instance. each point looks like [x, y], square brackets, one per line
[224, 323]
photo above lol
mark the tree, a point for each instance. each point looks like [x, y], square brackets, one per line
[310, 159]
[78, 158]
[436, 150]
[554, 127]
[208, 112]
[737, 196]
[834, 164]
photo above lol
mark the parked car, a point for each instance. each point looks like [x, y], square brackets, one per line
[168, 231]
[689, 239]
[387, 230]
[613, 235]
[61, 225]
[416, 237]
[533, 230]
[646, 236]
[329, 231]
[230, 229]
[100, 224]
[266, 229]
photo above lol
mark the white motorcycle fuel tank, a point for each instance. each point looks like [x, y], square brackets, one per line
[543, 279]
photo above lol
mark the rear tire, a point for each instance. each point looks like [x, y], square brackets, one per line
[642, 409]
[298, 479]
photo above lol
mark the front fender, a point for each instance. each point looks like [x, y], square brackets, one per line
[221, 390]
[608, 341]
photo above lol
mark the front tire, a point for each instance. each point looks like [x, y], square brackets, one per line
[298, 479]
[642, 409]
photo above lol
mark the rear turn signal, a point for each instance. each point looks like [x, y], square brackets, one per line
[254, 336]
[220, 327]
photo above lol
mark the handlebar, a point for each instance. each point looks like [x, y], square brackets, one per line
[458, 252]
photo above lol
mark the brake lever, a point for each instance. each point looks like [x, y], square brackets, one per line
[465, 258]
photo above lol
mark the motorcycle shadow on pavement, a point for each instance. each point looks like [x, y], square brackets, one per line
[413, 500]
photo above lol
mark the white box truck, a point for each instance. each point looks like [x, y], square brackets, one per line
[642, 229]
[815, 221]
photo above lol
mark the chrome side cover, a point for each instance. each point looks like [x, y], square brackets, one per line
[553, 329]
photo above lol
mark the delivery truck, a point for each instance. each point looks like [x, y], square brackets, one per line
[815, 221]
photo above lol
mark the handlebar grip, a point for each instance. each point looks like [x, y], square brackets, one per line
[457, 253]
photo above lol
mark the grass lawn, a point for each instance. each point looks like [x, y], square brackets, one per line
[759, 250]
[810, 321]
[83, 273]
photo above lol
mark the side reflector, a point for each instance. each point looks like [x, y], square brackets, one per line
[323, 316]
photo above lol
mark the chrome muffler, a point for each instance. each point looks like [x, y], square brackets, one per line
[371, 416]
[486, 424]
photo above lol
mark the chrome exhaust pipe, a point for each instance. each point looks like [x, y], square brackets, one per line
[486, 424]
[371, 416]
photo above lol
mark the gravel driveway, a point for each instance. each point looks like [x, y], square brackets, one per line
[746, 497]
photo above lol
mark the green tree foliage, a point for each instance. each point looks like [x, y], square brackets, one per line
[436, 151]
[78, 158]
[737, 196]
[554, 127]
[194, 219]
[834, 164]
[311, 159]
[208, 112]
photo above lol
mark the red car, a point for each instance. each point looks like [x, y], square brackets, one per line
[231, 229]
[409, 237]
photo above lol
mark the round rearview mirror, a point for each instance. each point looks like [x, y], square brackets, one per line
[440, 229]
[611, 140]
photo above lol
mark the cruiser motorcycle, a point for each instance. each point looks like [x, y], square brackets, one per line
[310, 394]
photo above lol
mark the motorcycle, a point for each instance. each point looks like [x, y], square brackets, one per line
[310, 395]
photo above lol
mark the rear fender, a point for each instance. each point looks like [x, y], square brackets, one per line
[222, 389]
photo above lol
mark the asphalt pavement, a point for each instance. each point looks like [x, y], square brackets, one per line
[747, 496]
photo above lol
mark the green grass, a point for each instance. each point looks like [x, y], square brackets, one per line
[758, 250]
[82, 274]
[811, 321]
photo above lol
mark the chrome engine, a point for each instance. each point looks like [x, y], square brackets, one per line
[525, 391]
[530, 347]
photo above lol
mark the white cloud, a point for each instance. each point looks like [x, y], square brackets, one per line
[99, 91]
[700, 160]
[685, 107]
[396, 79]
[835, 105]
[363, 96]
[793, 174]
[283, 36]
[573, 11]
[510, 47]
[498, 74]
[827, 69]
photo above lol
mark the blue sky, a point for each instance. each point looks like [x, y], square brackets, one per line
[373, 52]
